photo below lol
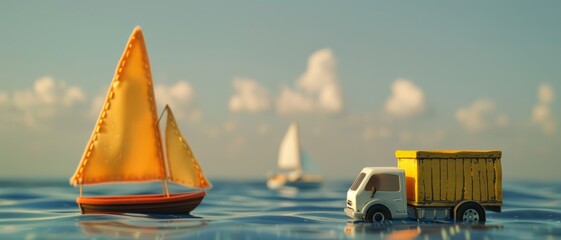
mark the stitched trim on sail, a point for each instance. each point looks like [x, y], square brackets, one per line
[79, 178]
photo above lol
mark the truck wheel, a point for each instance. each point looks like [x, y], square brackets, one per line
[377, 213]
[470, 212]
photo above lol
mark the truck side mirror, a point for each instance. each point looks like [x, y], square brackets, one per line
[373, 191]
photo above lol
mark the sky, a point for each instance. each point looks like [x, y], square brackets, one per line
[362, 79]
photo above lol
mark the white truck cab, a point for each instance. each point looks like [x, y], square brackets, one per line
[378, 193]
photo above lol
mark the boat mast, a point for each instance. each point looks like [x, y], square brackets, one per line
[165, 187]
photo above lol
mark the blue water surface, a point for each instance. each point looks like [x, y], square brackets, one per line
[34, 209]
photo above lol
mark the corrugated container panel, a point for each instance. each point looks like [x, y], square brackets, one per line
[444, 178]
[451, 187]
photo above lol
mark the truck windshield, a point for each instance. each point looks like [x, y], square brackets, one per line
[383, 182]
[358, 180]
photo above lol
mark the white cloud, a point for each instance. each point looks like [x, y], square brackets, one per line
[250, 96]
[179, 97]
[291, 101]
[541, 114]
[480, 116]
[176, 96]
[72, 95]
[44, 90]
[46, 99]
[317, 90]
[407, 99]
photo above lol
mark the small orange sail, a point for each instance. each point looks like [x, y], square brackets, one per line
[125, 145]
[184, 168]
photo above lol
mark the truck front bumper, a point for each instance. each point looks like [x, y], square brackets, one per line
[351, 213]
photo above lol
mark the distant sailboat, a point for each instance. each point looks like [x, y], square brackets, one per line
[295, 163]
[125, 145]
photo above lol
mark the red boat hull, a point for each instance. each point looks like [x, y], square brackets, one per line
[177, 203]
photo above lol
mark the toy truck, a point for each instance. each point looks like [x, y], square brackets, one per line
[429, 185]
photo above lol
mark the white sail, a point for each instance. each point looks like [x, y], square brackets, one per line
[289, 152]
[295, 162]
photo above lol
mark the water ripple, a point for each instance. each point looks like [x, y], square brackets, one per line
[248, 210]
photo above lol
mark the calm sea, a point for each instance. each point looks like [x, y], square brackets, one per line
[248, 210]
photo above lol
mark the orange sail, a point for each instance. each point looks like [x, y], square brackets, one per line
[184, 168]
[125, 145]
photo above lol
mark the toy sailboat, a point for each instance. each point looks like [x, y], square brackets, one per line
[125, 145]
[296, 162]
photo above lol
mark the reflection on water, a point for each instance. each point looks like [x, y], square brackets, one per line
[161, 229]
[419, 230]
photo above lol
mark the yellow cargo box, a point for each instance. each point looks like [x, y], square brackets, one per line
[444, 178]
